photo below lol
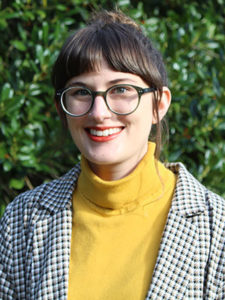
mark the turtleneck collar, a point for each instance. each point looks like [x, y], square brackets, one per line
[145, 184]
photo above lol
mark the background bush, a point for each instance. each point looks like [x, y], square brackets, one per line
[190, 34]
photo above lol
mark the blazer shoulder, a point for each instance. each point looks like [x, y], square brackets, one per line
[216, 204]
[51, 195]
[191, 196]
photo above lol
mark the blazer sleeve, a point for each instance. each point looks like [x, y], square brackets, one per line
[221, 294]
[7, 290]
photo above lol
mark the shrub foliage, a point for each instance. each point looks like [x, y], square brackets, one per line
[33, 145]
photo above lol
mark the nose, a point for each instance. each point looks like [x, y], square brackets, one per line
[99, 110]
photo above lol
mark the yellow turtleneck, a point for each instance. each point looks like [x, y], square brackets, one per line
[116, 231]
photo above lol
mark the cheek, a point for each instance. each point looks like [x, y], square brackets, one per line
[74, 126]
[75, 122]
[146, 123]
[146, 115]
[139, 125]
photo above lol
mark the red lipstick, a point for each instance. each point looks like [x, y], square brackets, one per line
[103, 134]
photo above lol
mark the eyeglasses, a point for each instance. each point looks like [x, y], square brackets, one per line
[121, 99]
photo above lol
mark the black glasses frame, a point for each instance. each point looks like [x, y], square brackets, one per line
[139, 90]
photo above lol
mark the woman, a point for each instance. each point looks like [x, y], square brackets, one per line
[120, 225]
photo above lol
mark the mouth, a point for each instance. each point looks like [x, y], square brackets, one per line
[98, 134]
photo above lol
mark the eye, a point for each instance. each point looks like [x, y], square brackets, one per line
[77, 92]
[119, 90]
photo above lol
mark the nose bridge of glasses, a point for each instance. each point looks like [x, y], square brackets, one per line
[99, 93]
[102, 102]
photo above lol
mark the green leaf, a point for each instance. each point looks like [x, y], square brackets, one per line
[17, 183]
[3, 24]
[61, 7]
[3, 151]
[123, 2]
[19, 45]
[7, 92]
[7, 166]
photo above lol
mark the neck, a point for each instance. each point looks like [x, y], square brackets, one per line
[111, 172]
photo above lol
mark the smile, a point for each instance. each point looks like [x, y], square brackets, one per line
[103, 134]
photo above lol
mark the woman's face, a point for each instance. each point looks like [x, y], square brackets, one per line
[120, 151]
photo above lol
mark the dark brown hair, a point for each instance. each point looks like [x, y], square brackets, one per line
[117, 39]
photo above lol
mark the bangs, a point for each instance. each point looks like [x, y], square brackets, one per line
[84, 53]
[120, 48]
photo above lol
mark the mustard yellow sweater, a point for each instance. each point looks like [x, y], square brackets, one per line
[116, 231]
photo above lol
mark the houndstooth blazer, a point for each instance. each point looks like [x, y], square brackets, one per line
[35, 234]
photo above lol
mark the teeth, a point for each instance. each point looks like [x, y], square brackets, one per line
[105, 132]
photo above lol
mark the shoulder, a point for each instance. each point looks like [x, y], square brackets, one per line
[51, 196]
[189, 189]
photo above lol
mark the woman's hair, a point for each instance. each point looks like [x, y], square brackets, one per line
[115, 38]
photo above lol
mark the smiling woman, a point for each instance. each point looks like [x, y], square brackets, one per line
[119, 225]
[125, 116]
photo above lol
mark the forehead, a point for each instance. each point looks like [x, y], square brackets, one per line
[105, 76]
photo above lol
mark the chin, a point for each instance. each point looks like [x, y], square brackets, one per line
[102, 161]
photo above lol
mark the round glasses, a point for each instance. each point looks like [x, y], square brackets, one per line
[121, 99]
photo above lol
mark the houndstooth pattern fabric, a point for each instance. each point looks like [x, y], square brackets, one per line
[35, 234]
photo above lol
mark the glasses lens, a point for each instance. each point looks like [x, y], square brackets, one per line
[122, 99]
[77, 100]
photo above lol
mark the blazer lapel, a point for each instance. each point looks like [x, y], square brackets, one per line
[50, 258]
[175, 265]
[48, 264]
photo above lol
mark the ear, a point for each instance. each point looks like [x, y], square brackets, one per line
[163, 104]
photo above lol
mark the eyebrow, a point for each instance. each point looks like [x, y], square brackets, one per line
[114, 81]
[80, 83]
[121, 80]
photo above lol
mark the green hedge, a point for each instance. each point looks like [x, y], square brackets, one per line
[33, 145]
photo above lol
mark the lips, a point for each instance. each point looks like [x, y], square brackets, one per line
[103, 134]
